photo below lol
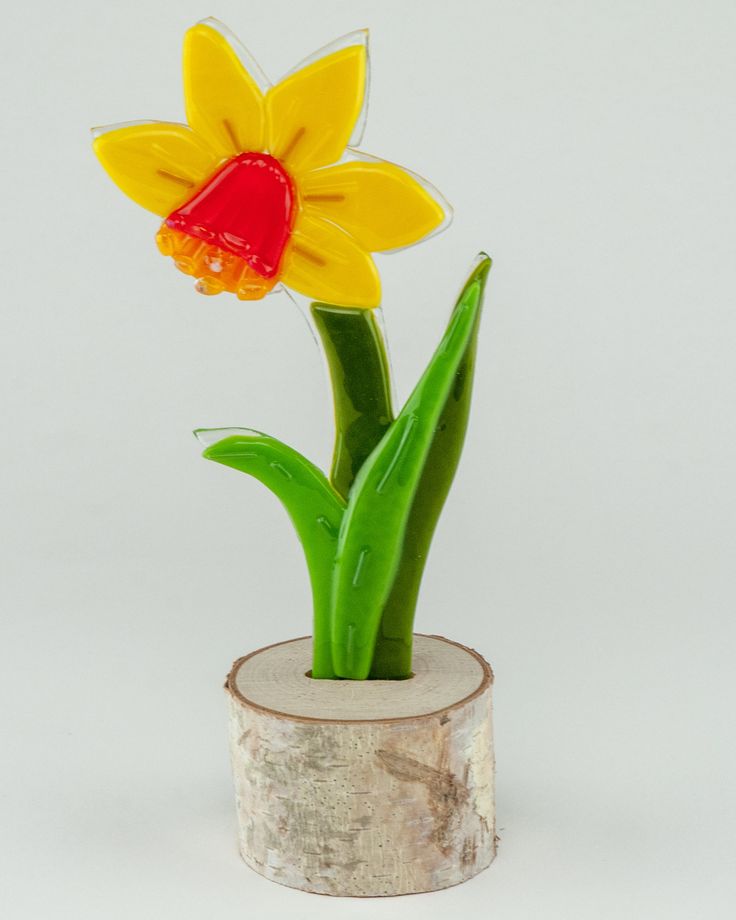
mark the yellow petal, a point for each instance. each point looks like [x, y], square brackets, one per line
[224, 103]
[381, 205]
[323, 262]
[157, 164]
[311, 113]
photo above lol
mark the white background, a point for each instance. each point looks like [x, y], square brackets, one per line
[586, 549]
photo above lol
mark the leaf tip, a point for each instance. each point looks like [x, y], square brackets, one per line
[213, 440]
[481, 267]
[475, 283]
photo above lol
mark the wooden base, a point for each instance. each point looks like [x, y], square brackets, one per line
[364, 788]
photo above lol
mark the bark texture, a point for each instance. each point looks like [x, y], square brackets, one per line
[336, 796]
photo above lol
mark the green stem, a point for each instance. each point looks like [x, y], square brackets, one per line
[361, 387]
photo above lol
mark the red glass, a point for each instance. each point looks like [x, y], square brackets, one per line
[246, 208]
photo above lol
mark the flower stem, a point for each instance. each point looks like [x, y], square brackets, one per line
[361, 386]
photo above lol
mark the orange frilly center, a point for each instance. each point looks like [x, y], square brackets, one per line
[232, 233]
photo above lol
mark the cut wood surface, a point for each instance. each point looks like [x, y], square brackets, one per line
[364, 788]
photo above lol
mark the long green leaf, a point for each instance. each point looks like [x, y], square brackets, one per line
[393, 650]
[314, 507]
[374, 525]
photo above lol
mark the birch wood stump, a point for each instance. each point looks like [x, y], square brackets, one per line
[364, 788]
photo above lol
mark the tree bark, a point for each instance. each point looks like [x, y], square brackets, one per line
[364, 788]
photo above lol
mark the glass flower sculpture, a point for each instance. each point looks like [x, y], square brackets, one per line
[264, 186]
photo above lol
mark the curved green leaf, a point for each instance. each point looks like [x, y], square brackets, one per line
[374, 525]
[393, 650]
[314, 507]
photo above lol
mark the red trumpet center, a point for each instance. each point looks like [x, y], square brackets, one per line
[246, 208]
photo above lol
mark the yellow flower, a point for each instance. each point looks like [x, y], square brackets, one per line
[263, 184]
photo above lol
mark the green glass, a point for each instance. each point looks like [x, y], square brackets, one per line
[393, 649]
[366, 531]
[314, 507]
[361, 386]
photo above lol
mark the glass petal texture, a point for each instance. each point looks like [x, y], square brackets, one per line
[381, 205]
[325, 263]
[311, 113]
[157, 164]
[224, 103]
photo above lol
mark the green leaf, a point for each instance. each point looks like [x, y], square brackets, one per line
[374, 526]
[393, 650]
[314, 507]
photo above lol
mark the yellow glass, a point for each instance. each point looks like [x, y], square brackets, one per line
[343, 206]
